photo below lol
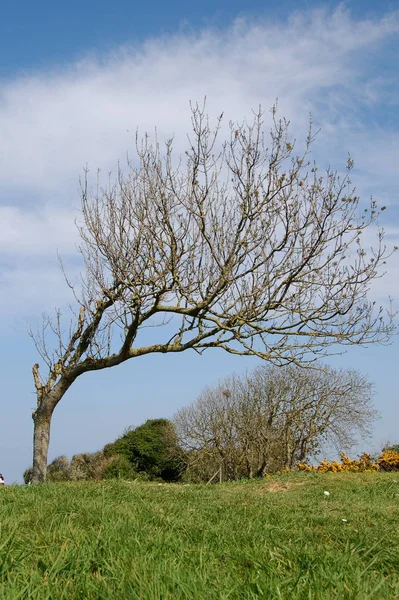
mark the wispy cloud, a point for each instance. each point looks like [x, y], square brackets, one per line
[53, 123]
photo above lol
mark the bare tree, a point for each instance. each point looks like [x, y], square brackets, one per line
[230, 425]
[274, 418]
[313, 408]
[246, 248]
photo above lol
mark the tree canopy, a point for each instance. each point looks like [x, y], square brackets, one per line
[273, 418]
[241, 245]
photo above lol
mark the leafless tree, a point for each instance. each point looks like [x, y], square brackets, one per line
[274, 418]
[229, 426]
[238, 246]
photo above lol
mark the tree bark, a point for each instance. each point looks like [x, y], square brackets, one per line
[42, 422]
[262, 469]
[41, 440]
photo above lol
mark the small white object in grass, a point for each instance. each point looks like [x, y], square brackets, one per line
[344, 520]
[326, 493]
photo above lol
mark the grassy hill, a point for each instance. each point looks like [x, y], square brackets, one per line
[276, 538]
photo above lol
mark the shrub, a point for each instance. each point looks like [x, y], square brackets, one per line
[389, 460]
[86, 466]
[116, 467]
[389, 446]
[151, 448]
[28, 474]
[364, 465]
[59, 469]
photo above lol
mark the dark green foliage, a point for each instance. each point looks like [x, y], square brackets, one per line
[151, 448]
[120, 447]
[117, 467]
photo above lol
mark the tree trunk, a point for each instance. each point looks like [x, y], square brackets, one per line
[262, 469]
[287, 447]
[41, 440]
[41, 430]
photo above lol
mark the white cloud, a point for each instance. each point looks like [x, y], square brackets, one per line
[30, 289]
[52, 124]
[26, 232]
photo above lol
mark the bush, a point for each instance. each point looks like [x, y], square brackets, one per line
[148, 452]
[86, 466]
[151, 448]
[389, 460]
[28, 474]
[394, 447]
[117, 467]
[120, 447]
[364, 465]
[59, 469]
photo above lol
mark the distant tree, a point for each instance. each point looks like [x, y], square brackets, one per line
[151, 448]
[247, 248]
[274, 418]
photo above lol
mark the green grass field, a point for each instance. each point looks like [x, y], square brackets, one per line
[276, 538]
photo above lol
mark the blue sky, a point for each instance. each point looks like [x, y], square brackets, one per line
[77, 79]
[36, 35]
